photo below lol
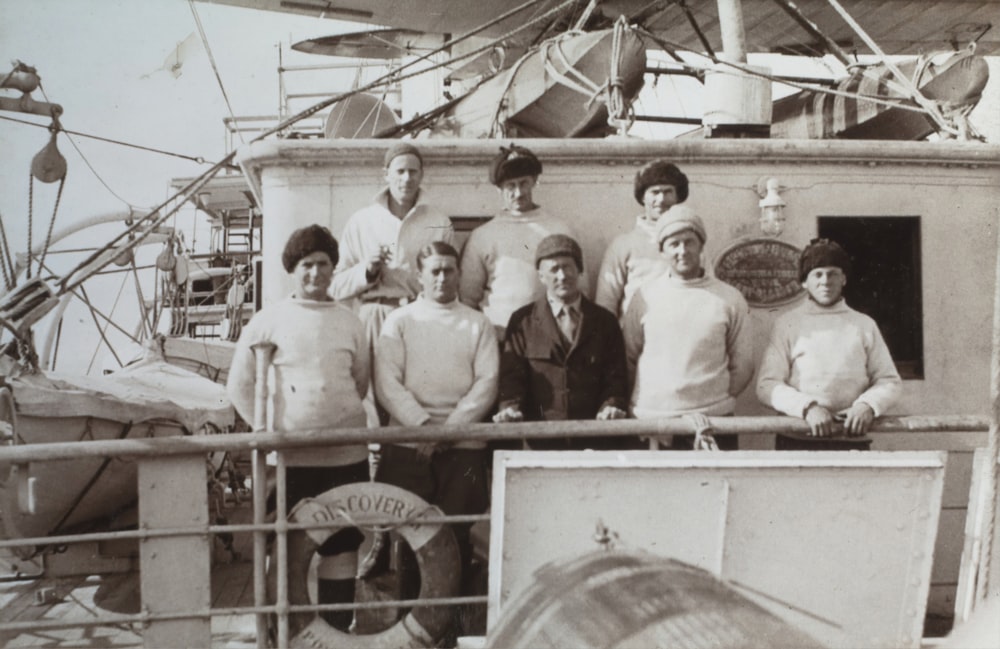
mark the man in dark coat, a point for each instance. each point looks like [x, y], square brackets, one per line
[564, 356]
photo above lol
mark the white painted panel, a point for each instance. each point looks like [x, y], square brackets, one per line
[843, 541]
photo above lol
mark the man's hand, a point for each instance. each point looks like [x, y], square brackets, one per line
[508, 414]
[611, 412]
[820, 421]
[376, 262]
[858, 418]
[703, 438]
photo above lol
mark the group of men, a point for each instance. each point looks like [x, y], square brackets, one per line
[505, 330]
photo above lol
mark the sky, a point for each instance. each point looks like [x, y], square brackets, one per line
[104, 62]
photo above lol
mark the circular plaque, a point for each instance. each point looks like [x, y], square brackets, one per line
[765, 271]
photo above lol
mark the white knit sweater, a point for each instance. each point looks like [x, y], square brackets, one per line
[833, 356]
[689, 347]
[630, 261]
[320, 371]
[438, 364]
[498, 263]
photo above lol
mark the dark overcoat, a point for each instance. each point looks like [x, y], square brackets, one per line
[549, 378]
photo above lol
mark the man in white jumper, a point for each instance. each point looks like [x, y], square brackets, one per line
[320, 374]
[437, 361]
[498, 262]
[686, 336]
[379, 243]
[827, 362]
[634, 257]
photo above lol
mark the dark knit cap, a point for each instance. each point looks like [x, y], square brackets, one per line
[307, 240]
[402, 148]
[660, 172]
[559, 245]
[820, 253]
[514, 162]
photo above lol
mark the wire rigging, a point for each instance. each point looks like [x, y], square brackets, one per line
[198, 159]
[144, 227]
[211, 60]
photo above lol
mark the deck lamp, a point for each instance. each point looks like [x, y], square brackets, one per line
[772, 209]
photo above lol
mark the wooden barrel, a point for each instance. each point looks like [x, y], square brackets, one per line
[618, 599]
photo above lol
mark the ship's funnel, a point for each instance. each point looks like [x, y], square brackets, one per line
[739, 103]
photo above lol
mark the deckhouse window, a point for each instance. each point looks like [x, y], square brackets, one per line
[885, 282]
[464, 225]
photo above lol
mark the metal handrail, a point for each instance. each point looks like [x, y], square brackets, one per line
[269, 440]
[263, 441]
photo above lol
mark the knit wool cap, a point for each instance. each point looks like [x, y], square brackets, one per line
[307, 240]
[402, 148]
[677, 219]
[821, 253]
[514, 162]
[559, 245]
[660, 172]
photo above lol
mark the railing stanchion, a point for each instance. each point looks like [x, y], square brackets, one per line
[262, 357]
[281, 552]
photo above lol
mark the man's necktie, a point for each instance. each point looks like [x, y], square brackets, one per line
[567, 320]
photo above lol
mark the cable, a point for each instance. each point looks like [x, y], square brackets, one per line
[198, 159]
[5, 251]
[157, 216]
[215, 68]
[886, 101]
[697, 30]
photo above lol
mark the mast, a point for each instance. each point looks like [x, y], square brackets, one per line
[738, 104]
[734, 42]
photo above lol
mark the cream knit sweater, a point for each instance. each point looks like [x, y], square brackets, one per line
[320, 371]
[833, 356]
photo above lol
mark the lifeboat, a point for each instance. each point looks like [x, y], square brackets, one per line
[557, 89]
[148, 399]
[955, 83]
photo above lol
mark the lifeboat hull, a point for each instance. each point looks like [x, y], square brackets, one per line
[66, 496]
[956, 83]
[556, 90]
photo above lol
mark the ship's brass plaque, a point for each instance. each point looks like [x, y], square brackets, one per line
[765, 271]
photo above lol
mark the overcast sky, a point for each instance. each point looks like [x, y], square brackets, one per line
[102, 60]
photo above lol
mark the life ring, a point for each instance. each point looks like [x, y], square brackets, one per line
[370, 503]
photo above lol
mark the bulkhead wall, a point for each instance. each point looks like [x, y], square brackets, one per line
[954, 189]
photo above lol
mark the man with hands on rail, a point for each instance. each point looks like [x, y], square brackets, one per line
[826, 362]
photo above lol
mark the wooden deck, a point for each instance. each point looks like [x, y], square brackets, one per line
[86, 597]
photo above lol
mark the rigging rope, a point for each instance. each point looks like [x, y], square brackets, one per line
[198, 159]
[899, 103]
[215, 68]
[103, 331]
[143, 311]
[157, 215]
[617, 105]
[31, 226]
[929, 107]
[6, 260]
[697, 30]
[52, 222]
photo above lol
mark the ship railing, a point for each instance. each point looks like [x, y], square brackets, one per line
[175, 532]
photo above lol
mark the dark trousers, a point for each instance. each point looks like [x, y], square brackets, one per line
[726, 442]
[307, 481]
[797, 443]
[454, 480]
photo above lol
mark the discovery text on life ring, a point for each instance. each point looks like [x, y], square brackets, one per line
[370, 503]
